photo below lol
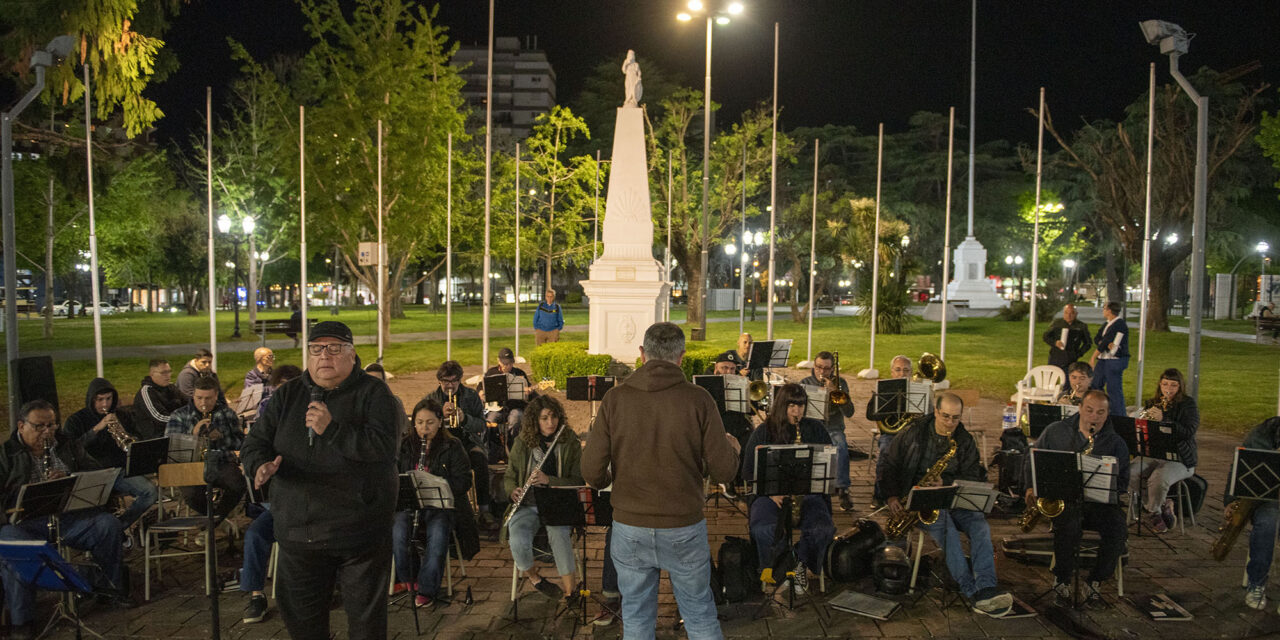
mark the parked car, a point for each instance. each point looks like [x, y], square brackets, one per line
[128, 307]
[60, 309]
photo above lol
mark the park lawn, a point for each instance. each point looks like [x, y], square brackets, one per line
[1234, 326]
[138, 328]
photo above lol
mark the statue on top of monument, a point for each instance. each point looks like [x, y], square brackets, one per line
[631, 69]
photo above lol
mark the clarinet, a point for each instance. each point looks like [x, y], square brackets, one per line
[422, 454]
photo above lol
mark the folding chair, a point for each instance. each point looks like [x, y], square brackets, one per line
[184, 474]
[448, 567]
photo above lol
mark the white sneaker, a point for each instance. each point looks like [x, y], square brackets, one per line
[1256, 597]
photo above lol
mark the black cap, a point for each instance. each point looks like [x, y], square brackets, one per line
[506, 354]
[729, 356]
[331, 329]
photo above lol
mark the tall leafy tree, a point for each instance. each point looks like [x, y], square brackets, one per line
[560, 190]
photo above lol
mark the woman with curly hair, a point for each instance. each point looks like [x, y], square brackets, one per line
[538, 439]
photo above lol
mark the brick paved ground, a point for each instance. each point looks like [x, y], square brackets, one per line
[1211, 591]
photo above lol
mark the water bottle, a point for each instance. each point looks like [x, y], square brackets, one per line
[1010, 418]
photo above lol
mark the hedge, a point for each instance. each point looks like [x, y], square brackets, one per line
[696, 361]
[559, 360]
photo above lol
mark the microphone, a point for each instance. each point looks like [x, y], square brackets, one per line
[317, 395]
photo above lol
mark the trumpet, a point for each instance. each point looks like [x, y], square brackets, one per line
[838, 395]
[203, 436]
[1164, 405]
[123, 438]
[455, 418]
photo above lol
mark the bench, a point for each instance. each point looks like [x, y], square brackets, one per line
[285, 326]
[1266, 330]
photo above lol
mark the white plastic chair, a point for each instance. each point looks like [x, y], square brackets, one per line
[1041, 384]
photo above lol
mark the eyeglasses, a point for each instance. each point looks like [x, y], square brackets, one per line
[331, 348]
[45, 426]
[272, 356]
[449, 380]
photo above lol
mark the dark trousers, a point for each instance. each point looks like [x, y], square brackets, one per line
[1107, 520]
[1110, 374]
[480, 467]
[307, 574]
[815, 526]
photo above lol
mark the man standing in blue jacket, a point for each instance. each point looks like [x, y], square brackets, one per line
[1111, 357]
[548, 320]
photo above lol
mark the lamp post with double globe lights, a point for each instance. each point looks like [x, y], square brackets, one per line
[247, 225]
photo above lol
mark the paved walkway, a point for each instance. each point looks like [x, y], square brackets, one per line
[1225, 335]
[1211, 591]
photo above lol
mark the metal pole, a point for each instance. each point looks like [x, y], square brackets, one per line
[208, 159]
[706, 185]
[742, 265]
[1035, 233]
[448, 250]
[1197, 226]
[1146, 238]
[870, 372]
[382, 254]
[302, 230]
[517, 270]
[667, 265]
[93, 226]
[595, 225]
[10, 240]
[973, 92]
[488, 177]
[946, 234]
[813, 253]
[773, 187]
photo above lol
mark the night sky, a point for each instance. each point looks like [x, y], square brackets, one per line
[841, 62]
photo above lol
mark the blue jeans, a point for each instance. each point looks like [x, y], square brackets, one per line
[946, 532]
[816, 530]
[842, 458]
[97, 532]
[524, 523]
[438, 526]
[1262, 543]
[1110, 374]
[640, 553]
[258, 539]
[609, 575]
[144, 495]
[885, 440]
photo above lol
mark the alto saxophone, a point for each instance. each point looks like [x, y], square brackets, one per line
[898, 525]
[1232, 524]
[1044, 506]
[890, 427]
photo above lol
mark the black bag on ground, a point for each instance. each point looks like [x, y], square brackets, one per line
[849, 557]
[739, 570]
[1197, 487]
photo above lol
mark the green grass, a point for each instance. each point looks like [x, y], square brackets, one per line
[1233, 326]
[1238, 380]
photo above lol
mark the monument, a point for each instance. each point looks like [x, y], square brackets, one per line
[626, 288]
[970, 283]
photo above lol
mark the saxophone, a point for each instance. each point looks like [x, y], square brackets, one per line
[1241, 512]
[890, 427]
[898, 525]
[1044, 506]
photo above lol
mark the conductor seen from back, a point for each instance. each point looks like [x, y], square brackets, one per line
[328, 441]
[652, 439]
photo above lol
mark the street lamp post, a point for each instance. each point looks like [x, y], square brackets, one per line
[1069, 269]
[247, 225]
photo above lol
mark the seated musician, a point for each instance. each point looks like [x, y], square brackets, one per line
[1170, 403]
[429, 447]
[1263, 516]
[36, 451]
[1079, 377]
[511, 411]
[915, 450]
[786, 416]
[899, 368]
[736, 424]
[218, 430]
[96, 426]
[824, 375]
[463, 402]
[402, 418]
[743, 352]
[562, 467]
[1091, 428]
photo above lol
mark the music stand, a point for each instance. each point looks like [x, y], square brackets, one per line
[1255, 474]
[816, 405]
[40, 499]
[417, 491]
[577, 507]
[144, 457]
[40, 565]
[715, 385]
[590, 389]
[791, 470]
[183, 448]
[1040, 416]
[92, 488]
[1151, 439]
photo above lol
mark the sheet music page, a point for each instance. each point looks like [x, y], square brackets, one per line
[974, 496]
[824, 468]
[515, 387]
[736, 396]
[919, 397]
[1099, 478]
[1115, 346]
[1069, 410]
[1064, 338]
[92, 488]
[816, 407]
[428, 485]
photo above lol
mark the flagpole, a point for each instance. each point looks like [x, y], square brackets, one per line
[1035, 235]
[208, 160]
[871, 373]
[946, 236]
[93, 227]
[302, 228]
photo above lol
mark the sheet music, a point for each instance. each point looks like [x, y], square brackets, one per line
[781, 352]
[183, 447]
[736, 397]
[1115, 345]
[824, 468]
[433, 490]
[1065, 344]
[974, 496]
[816, 407]
[919, 397]
[1099, 478]
[515, 387]
[92, 488]
[1069, 410]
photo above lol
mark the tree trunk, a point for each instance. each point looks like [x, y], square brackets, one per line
[1158, 305]
[1115, 290]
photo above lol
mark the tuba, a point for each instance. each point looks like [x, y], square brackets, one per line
[930, 368]
[899, 525]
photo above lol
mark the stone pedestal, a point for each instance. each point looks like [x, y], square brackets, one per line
[933, 312]
[625, 286]
[970, 283]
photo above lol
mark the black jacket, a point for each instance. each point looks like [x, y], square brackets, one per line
[1077, 343]
[902, 461]
[447, 459]
[16, 464]
[99, 444]
[152, 406]
[1065, 435]
[811, 432]
[1185, 417]
[472, 426]
[340, 491]
[1107, 336]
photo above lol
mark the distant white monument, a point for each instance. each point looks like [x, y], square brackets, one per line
[625, 286]
[970, 281]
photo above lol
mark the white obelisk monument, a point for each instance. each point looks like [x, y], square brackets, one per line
[626, 288]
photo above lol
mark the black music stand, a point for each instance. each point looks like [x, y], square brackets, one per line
[144, 457]
[1040, 416]
[577, 507]
[1151, 439]
[413, 496]
[49, 499]
[590, 389]
[1255, 475]
[1058, 475]
[714, 384]
[789, 470]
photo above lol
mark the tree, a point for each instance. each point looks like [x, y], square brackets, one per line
[564, 192]
[1108, 161]
[855, 237]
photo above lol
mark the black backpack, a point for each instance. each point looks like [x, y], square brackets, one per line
[738, 568]
[850, 555]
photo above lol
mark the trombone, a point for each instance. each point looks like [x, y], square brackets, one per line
[838, 395]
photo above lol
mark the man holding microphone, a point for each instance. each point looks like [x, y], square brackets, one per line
[328, 439]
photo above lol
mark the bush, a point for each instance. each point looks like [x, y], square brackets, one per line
[892, 308]
[560, 360]
[1046, 308]
[696, 360]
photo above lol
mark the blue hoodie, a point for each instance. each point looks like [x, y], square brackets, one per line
[548, 317]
